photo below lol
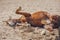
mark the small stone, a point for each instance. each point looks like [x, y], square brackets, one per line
[4, 38]
[43, 32]
[52, 33]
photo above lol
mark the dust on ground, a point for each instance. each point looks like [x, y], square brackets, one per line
[8, 8]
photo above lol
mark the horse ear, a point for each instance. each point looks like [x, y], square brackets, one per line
[18, 11]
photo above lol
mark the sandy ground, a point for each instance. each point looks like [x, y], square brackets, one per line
[8, 8]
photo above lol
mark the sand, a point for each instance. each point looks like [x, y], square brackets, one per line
[8, 8]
